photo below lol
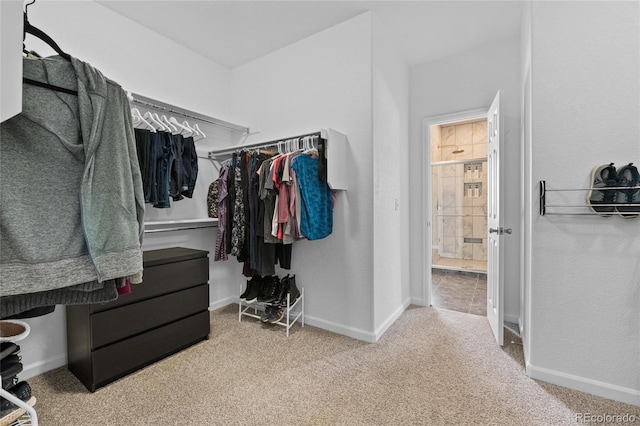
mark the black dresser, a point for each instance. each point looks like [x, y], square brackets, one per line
[164, 314]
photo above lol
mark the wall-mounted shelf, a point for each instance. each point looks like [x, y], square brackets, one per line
[179, 225]
[333, 143]
[560, 208]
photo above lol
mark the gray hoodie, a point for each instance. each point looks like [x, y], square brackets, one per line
[71, 198]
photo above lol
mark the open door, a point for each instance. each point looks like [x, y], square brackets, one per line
[495, 250]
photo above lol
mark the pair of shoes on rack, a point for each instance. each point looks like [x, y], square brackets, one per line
[288, 287]
[277, 295]
[272, 314]
[258, 289]
[270, 290]
[625, 190]
[250, 294]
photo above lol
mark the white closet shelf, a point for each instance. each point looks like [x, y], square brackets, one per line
[163, 106]
[179, 225]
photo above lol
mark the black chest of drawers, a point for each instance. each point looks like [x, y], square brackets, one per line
[164, 314]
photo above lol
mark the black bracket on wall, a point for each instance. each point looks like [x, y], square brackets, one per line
[543, 197]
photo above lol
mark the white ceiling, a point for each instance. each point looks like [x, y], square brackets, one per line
[232, 33]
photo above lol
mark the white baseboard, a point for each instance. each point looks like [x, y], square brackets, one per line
[334, 327]
[222, 303]
[353, 332]
[40, 367]
[392, 318]
[419, 301]
[594, 387]
[512, 318]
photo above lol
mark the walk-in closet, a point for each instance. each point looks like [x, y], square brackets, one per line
[318, 213]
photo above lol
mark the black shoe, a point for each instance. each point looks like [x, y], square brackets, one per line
[270, 291]
[277, 313]
[10, 366]
[9, 382]
[284, 290]
[294, 293]
[628, 176]
[254, 290]
[602, 177]
[266, 313]
[22, 390]
[251, 283]
[8, 348]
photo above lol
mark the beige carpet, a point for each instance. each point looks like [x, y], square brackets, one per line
[432, 367]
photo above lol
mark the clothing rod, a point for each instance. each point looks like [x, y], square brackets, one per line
[159, 105]
[180, 228]
[222, 151]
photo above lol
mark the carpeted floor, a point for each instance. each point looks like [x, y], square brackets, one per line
[432, 367]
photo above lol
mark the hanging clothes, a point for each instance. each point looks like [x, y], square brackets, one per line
[316, 218]
[189, 167]
[212, 199]
[221, 240]
[168, 164]
[75, 155]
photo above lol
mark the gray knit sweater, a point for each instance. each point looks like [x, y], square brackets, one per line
[71, 200]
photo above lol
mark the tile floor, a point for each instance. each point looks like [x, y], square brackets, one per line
[460, 291]
[457, 264]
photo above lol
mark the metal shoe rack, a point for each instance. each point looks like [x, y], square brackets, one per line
[25, 415]
[293, 312]
[561, 206]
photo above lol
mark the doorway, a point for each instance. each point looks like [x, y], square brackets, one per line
[456, 172]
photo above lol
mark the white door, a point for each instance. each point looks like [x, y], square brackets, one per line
[495, 276]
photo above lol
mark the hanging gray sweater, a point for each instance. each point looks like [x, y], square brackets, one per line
[71, 199]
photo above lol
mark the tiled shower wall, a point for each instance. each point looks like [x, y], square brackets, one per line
[456, 214]
[472, 137]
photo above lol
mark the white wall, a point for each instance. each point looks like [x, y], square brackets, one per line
[11, 62]
[324, 81]
[462, 82]
[585, 273]
[526, 182]
[137, 59]
[390, 174]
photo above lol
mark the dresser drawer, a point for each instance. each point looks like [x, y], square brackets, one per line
[117, 360]
[162, 279]
[117, 324]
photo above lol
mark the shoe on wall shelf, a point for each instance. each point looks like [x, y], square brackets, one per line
[604, 201]
[284, 310]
